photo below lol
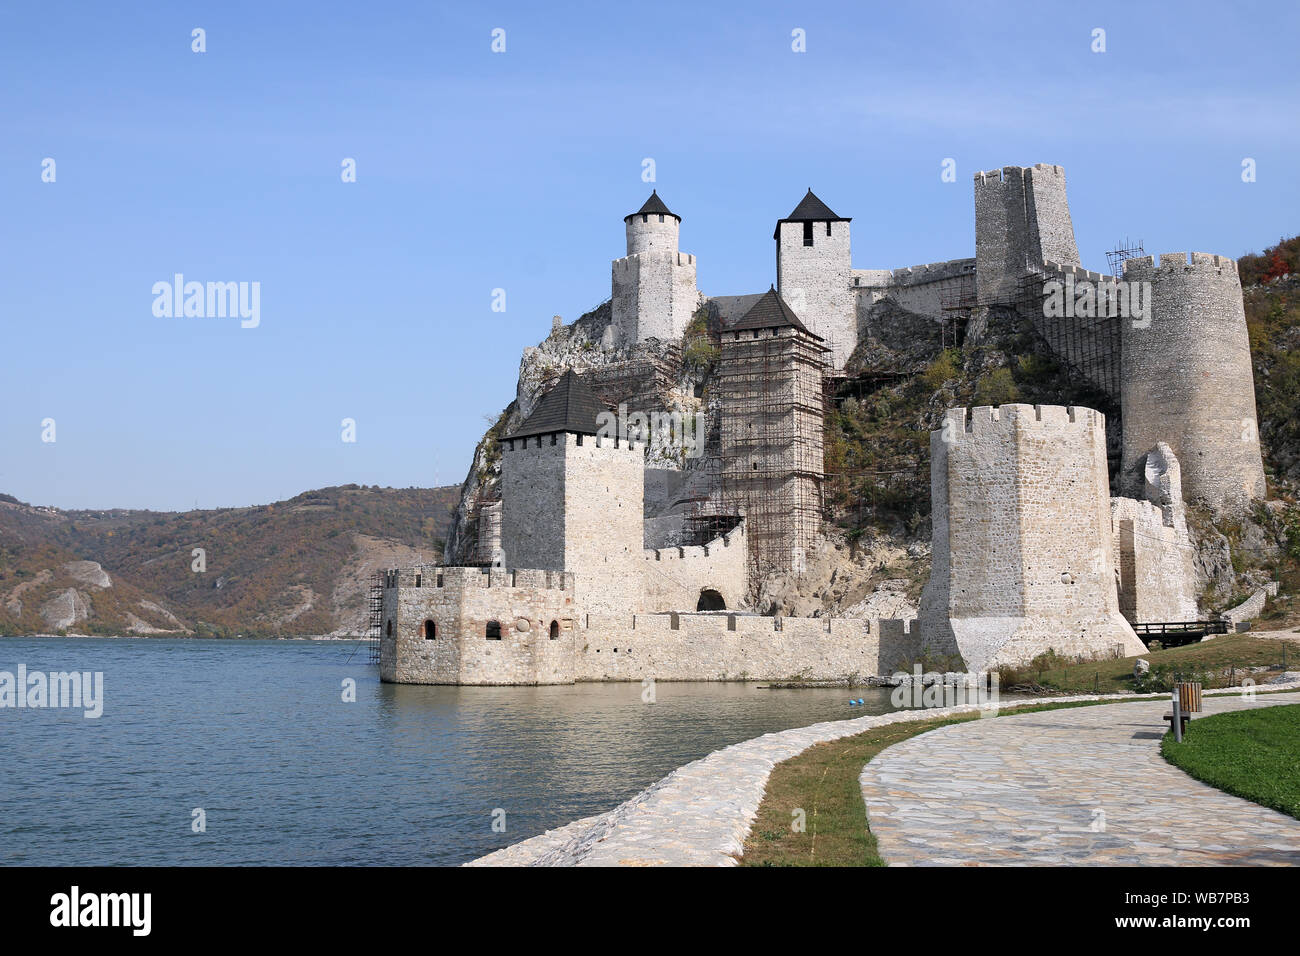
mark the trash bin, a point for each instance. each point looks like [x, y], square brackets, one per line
[1189, 697]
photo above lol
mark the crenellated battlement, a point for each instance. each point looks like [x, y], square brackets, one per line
[564, 440]
[1079, 272]
[436, 576]
[698, 551]
[1017, 174]
[1140, 267]
[1005, 420]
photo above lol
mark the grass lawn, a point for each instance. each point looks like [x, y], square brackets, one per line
[823, 782]
[1254, 754]
[1216, 655]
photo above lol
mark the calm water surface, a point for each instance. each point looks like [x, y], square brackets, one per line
[257, 734]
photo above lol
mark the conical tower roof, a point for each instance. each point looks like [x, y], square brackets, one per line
[771, 312]
[570, 406]
[810, 209]
[653, 206]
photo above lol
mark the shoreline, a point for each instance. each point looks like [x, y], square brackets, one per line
[702, 812]
[176, 636]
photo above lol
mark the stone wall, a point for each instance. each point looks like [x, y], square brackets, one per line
[462, 602]
[1156, 559]
[1022, 539]
[738, 647]
[1157, 577]
[1186, 379]
[673, 578]
[816, 282]
[924, 289]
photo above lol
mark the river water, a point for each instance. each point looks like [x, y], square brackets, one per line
[257, 735]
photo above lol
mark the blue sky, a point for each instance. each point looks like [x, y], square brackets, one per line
[478, 171]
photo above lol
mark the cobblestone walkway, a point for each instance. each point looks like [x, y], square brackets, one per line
[1068, 787]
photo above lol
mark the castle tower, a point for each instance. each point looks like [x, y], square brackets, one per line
[814, 274]
[1022, 541]
[769, 376]
[1186, 379]
[1022, 219]
[653, 288]
[572, 497]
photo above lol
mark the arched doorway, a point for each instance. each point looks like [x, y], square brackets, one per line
[711, 600]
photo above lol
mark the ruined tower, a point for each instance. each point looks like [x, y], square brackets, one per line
[572, 498]
[653, 287]
[814, 274]
[769, 376]
[1186, 379]
[1022, 539]
[1022, 219]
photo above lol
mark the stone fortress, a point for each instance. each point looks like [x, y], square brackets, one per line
[602, 556]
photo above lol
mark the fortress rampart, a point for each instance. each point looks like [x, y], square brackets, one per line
[540, 639]
[1186, 379]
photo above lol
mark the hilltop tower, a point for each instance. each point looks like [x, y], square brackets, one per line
[1186, 379]
[1022, 541]
[814, 274]
[1022, 219]
[653, 287]
[572, 498]
[769, 376]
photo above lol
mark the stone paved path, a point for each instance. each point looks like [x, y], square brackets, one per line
[1030, 788]
[701, 814]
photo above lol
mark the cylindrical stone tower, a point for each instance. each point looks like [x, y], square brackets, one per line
[1186, 378]
[652, 228]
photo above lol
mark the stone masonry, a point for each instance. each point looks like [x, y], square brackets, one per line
[1156, 560]
[1186, 379]
[1022, 538]
[1030, 552]
[654, 291]
[1021, 220]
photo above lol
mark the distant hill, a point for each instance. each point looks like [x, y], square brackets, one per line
[296, 567]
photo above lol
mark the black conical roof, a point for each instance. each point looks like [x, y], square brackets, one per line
[570, 406]
[771, 312]
[810, 209]
[653, 206]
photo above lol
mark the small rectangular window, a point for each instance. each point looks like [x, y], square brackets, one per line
[828, 228]
[807, 234]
